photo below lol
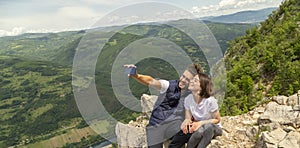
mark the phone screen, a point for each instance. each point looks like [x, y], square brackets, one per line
[130, 70]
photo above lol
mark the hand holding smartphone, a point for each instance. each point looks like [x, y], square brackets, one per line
[130, 69]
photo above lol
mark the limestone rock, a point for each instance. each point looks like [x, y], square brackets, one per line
[215, 144]
[278, 113]
[282, 100]
[273, 137]
[130, 136]
[292, 140]
[147, 103]
[292, 100]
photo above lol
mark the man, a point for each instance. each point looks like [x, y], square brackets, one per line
[168, 111]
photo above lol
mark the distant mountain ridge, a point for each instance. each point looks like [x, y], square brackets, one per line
[251, 16]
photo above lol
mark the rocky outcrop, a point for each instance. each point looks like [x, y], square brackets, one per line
[280, 123]
[281, 114]
[147, 103]
[275, 124]
[239, 131]
[133, 134]
[130, 136]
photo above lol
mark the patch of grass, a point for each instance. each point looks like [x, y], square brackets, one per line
[100, 126]
[35, 113]
[70, 136]
[2, 144]
[34, 145]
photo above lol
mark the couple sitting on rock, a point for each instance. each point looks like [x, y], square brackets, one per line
[185, 111]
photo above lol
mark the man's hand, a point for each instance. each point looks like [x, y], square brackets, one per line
[128, 66]
[143, 79]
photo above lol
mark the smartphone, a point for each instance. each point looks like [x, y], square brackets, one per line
[130, 70]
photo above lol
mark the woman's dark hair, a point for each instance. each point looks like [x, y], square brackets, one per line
[205, 85]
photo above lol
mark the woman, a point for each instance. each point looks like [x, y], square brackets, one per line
[202, 117]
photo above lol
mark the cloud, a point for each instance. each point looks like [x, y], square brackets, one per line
[63, 19]
[110, 2]
[143, 13]
[13, 32]
[231, 6]
[21, 30]
[76, 12]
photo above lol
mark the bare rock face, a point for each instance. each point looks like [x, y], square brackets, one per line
[292, 100]
[133, 134]
[292, 139]
[280, 125]
[147, 103]
[281, 114]
[271, 138]
[238, 131]
[281, 100]
[130, 136]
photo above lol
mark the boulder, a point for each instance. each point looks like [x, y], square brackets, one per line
[147, 103]
[270, 139]
[281, 114]
[273, 137]
[130, 136]
[292, 140]
[282, 100]
[292, 100]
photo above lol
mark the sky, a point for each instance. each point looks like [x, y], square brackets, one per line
[35, 16]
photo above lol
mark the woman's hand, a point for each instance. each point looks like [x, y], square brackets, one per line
[184, 125]
[195, 126]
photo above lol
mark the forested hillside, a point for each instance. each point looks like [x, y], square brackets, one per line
[265, 62]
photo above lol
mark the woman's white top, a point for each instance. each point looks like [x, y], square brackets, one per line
[203, 110]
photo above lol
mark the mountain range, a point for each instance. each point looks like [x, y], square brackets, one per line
[250, 16]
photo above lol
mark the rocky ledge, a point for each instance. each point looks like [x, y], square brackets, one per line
[274, 124]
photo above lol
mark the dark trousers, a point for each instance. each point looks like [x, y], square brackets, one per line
[199, 139]
[179, 140]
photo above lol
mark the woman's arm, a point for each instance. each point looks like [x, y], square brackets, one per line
[186, 122]
[216, 118]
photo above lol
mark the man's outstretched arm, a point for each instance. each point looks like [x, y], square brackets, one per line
[144, 79]
[147, 80]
